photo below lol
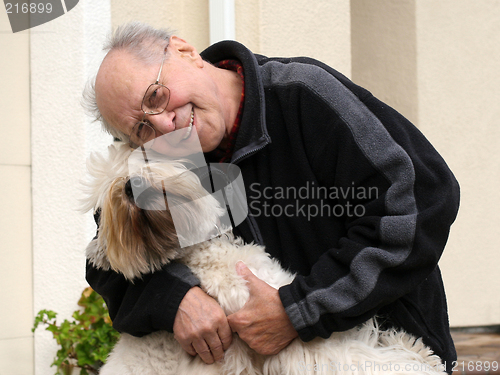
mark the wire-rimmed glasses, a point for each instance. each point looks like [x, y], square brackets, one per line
[154, 102]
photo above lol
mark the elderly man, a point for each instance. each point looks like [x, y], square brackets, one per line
[342, 190]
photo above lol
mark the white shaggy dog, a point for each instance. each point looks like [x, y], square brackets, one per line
[135, 241]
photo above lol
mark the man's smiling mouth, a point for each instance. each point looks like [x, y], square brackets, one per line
[190, 126]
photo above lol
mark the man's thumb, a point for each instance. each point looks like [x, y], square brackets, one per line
[244, 271]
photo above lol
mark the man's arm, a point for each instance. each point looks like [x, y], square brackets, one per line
[164, 301]
[144, 306]
[396, 244]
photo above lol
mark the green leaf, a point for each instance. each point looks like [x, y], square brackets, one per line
[86, 341]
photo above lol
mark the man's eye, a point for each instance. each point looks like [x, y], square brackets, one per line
[153, 95]
[157, 98]
[140, 130]
[145, 131]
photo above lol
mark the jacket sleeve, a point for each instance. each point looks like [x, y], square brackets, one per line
[395, 244]
[146, 305]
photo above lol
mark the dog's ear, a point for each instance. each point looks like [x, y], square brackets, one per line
[137, 241]
[102, 170]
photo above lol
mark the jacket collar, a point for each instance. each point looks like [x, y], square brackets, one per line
[252, 135]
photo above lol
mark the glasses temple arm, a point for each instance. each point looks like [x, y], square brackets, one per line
[161, 66]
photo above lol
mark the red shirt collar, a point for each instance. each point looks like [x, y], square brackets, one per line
[225, 155]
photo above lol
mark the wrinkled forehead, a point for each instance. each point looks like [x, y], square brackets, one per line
[120, 85]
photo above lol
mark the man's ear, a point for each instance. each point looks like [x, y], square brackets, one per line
[185, 50]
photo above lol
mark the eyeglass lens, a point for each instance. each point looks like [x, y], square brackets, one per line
[156, 99]
[142, 133]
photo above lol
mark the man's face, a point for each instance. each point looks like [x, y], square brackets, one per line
[122, 81]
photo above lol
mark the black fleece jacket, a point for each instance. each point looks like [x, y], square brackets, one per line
[343, 190]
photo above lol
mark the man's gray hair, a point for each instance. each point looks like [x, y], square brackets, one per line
[145, 43]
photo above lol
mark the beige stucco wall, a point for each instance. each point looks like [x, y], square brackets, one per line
[295, 28]
[187, 18]
[384, 48]
[270, 27]
[436, 63]
[16, 291]
[459, 110]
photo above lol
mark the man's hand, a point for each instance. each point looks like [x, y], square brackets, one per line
[262, 323]
[201, 326]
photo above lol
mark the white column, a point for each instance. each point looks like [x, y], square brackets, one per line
[222, 25]
[64, 53]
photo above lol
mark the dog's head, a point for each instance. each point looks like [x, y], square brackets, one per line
[147, 216]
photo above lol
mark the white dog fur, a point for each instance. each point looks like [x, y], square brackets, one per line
[362, 350]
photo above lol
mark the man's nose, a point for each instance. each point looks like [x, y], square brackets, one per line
[163, 122]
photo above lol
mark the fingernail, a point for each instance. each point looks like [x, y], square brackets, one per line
[240, 266]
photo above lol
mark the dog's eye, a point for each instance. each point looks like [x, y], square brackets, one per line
[128, 190]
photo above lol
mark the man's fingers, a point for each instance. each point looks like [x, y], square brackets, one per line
[209, 347]
[225, 334]
[218, 343]
[226, 340]
[209, 350]
[186, 345]
[216, 347]
[244, 271]
[203, 351]
[201, 326]
[189, 349]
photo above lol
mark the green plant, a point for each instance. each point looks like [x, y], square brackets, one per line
[86, 341]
